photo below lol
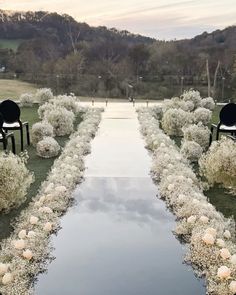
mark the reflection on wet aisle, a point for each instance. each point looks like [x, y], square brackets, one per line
[117, 238]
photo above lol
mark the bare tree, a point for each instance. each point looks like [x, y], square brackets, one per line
[212, 89]
[208, 78]
[73, 36]
[215, 79]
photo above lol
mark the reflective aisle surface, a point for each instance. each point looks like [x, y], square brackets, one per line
[117, 238]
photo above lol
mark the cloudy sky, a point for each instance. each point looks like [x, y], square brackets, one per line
[162, 19]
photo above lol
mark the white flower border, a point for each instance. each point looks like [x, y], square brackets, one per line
[25, 253]
[210, 236]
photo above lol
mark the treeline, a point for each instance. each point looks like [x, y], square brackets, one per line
[58, 52]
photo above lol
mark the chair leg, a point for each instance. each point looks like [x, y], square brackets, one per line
[13, 144]
[22, 139]
[27, 133]
[211, 135]
[4, 142]
[217, 134]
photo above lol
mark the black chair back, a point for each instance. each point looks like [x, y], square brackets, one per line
[10, 111]
[228, 114]
[1, 123]
[1, 120]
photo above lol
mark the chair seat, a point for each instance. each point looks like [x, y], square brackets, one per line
[11, 125]
[229, 128]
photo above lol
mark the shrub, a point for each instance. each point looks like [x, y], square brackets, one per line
[26, 100]
[61, 119]
[218, 165]
[15, 179]
[41, 130]
[202, 115]
[47, 148]
[44, 95]
[191, 150]
[208, 103]
[197, 133]
[174, 120]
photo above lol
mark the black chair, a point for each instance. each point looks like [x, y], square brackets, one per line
[11, 116]
[227, 123]
[5, 136]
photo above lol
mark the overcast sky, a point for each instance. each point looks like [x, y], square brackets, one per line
[162, 19]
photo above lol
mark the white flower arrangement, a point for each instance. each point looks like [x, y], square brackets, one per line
[67, 101]
[46, 107]
[211, 236]
[202, 115]
[191, 150]
[198, 133]
[40, 130]
[15, 179]
[48, 147]
[61, 119]
[174, 120]
[184, 110]
[21, 261]
[157, 112]
[208, 103]
[218, 165]
[178, 103]
[26, 100]
[43, 95]
[193, 96]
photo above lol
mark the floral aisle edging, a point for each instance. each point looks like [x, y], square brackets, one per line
[25, 252]
[211, 237]
[218, 164]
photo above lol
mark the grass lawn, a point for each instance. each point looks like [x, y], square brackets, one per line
[14, 88]
[215, 114]
[38, 165]
[10, 44]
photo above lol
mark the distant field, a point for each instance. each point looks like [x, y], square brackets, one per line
[14, 88]
[10, 44]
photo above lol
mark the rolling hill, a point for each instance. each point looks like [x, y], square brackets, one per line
[57, 51]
